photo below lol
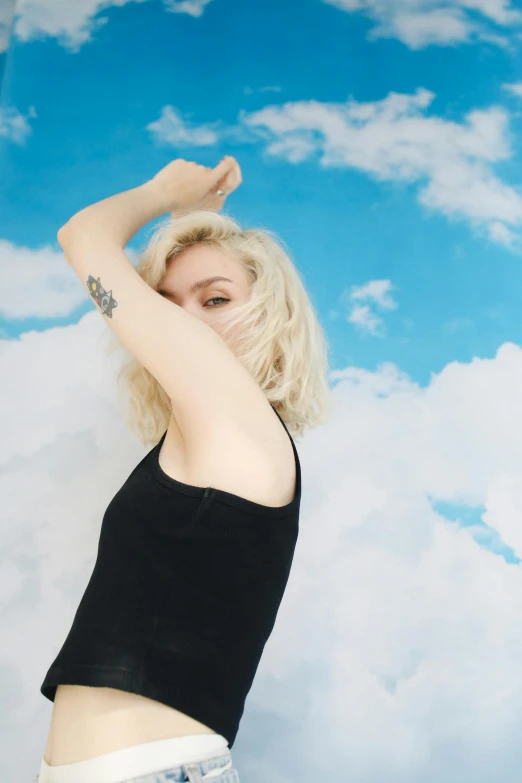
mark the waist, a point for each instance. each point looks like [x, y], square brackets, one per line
[90, 721]
[144, 759]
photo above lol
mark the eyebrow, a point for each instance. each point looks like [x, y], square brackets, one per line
[201, 284]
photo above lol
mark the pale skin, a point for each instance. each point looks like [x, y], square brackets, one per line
[222, 433]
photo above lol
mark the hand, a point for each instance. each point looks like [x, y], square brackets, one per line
[184, 185]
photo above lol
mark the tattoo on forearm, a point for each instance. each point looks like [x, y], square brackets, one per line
[102, 297]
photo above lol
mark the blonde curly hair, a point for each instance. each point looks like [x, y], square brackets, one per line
[281, 343]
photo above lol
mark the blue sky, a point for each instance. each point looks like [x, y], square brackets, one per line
[218, 77]
[381, 139]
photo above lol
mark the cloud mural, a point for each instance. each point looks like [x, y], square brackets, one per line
[381, 140]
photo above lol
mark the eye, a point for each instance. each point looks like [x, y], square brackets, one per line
[215, 298]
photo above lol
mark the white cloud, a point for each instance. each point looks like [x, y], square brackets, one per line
[75, 23]
[363, 317]
[14, 125]
[193, 8]
[421, 23]
[377, 292]
[39, 283]
[396, 140]
[515, 88]
[500, 233]
[398, 631]
[171, 128]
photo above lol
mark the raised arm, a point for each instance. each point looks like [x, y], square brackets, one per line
[193, 364]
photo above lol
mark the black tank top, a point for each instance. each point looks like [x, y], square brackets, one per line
[183, 595]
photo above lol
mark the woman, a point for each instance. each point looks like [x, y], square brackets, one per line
[196, 547]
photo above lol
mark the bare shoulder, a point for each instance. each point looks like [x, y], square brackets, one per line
[249, 455]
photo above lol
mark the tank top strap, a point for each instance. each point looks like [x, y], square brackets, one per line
[296, 455]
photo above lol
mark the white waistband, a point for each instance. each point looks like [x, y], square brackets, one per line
[143, 759]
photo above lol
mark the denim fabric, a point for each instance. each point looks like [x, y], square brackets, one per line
[218, 770]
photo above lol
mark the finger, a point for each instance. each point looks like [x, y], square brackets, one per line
[235, 178]
[223, 168]
[231, 180]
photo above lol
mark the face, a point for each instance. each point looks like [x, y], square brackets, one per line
[185, 284]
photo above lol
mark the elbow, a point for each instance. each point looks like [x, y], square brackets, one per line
[65, 234]
[70, 230]
[60, 236]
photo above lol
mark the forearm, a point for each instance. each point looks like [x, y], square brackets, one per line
[118, 218]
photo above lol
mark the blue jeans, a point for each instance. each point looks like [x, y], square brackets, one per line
[195, 772]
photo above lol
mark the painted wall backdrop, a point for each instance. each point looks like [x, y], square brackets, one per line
[381, 139]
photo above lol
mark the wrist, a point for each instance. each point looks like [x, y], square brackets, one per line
[163, 199]
[155, 198]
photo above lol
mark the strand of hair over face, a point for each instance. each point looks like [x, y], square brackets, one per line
[281, 341]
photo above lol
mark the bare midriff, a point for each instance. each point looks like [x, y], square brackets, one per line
[88, 722]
